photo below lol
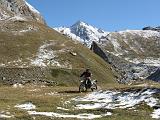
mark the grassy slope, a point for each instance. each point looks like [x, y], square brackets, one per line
[25, 46]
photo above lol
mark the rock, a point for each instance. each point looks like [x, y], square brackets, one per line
[152, 28]
[19, 10]
[73, 53]
[155, 76]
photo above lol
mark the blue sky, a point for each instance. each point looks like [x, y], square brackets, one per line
[110, 15]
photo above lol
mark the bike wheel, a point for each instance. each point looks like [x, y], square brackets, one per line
[94, 87]
[82, 88]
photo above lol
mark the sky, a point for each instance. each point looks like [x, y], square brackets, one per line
[109, 15]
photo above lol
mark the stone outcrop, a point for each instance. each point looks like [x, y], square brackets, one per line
[20, 8]
[155, 76]
[152, 28]
[96, 49]
[12, 76]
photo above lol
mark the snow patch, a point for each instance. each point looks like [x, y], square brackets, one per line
[45, 56]
[156, 114]
[115, 44]
[29, 28]
[52, 93]
[115, 100]
[26, 106]
[5, 116]
[17, 18]
[18, 85]
[147, 61]
[142, 33]
[2, 65]
[32, 8]
[34, 90]
[3, 15]
[60, 108]
[67, 31]
[64, 115]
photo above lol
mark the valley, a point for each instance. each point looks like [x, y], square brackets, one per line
[40, 69]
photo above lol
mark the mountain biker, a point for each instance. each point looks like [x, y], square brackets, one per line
[87, 77]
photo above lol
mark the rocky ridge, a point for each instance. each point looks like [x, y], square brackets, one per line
[152, 28]
[19, 10]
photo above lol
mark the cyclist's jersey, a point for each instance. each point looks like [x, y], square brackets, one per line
[86, 74]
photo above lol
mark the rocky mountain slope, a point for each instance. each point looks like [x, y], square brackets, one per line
[139, 49]
[19, 9]
[134, 53]
[29, 47]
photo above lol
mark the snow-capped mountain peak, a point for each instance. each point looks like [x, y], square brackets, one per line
[79, 23]
[83, 32]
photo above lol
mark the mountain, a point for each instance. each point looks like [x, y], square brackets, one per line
[136, 46]
[152, 28]
[31, 52]
[133, 53]
[155, 76]
[83, 32]
[19, 10]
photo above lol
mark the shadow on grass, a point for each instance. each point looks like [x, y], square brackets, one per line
[69, 91]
